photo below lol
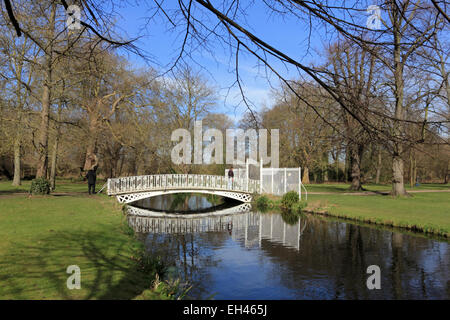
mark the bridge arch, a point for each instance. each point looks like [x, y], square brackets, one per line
[130, 189]
[131, 197]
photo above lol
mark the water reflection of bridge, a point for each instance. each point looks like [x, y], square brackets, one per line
[249, 227]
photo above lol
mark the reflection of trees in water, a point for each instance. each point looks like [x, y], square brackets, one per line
[191, 254]
[343, 252]
[180, 202]
[289, 217]
[331, 261]
[214, 199]
[397, 267]
[418, 263]
[353, 265]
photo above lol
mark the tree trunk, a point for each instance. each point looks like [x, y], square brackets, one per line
[305, 179]
[91, 159]
[325, 167]
[46, 93]
[398, 187]
[446, 173]
[43, 139]
[16, 180]
[356, 152]
[347, 165]
[54, 162]
[337, 166]
[377, 178]
[412, 179]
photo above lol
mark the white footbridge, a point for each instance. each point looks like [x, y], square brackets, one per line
[130, 189]
[275, 181]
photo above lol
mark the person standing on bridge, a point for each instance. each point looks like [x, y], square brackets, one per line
[91, 177]
[230, 178]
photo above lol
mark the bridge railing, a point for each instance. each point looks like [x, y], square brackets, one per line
[177, 181]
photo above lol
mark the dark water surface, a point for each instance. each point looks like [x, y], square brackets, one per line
[180, 202]
[255, 255]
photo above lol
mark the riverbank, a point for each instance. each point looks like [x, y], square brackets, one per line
[427, 212]
[43, 235]
[423, 212]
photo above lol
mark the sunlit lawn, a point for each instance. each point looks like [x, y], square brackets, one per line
[427, 211]
[62, 185]
[344, 187]
[43, 235]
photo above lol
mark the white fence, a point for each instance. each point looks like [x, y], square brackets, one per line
[125, 185]
[276, 181]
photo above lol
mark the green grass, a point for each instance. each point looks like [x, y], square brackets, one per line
[62, 185]
[43, 235]
[426, 212]
[344, 187]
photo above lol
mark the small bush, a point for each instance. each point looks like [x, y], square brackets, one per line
[173, 289]
[262, 203]
[40, 186]
[299, 206]
[289, 199]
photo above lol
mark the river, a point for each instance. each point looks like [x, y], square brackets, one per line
[238, 253]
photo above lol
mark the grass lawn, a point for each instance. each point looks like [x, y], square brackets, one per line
[62, 185]
[428, 212]
[43, 235]
[344, 187]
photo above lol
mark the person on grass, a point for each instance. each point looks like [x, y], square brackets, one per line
[91, 177]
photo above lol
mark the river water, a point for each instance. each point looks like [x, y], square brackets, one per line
[238, 253]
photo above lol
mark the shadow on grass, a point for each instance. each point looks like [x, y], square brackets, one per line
[52, 194]
[108, 268]
[326, 188]
[340, 188]
[13, 191]
[430, 186]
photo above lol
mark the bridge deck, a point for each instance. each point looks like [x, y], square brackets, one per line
[188, 182]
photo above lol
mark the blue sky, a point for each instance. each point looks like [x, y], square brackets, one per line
[289, 35]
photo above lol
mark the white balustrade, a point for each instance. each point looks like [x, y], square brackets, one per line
[179, 181]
